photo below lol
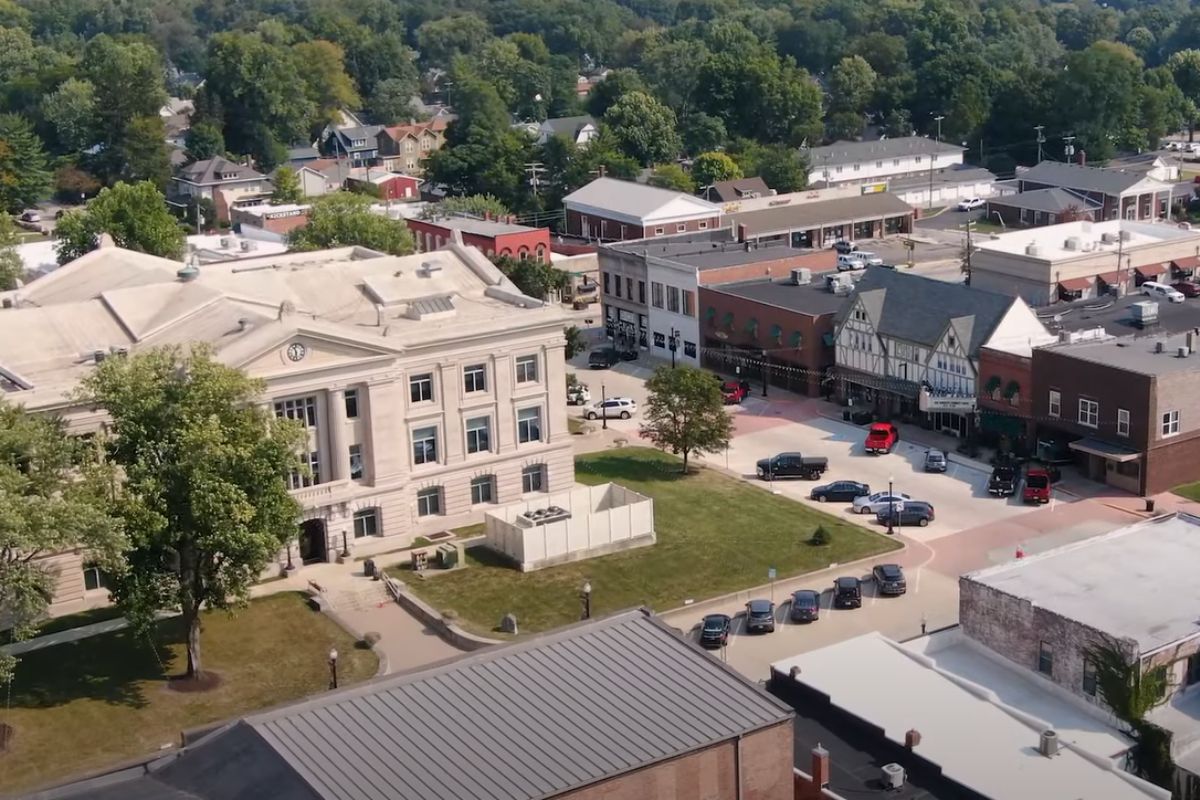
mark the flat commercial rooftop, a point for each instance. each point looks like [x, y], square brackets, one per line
[1140, 355]
[1050, 240]
[977, 740]
[1114, 315]
[708, 250]
[1109, 582]
[813, 299]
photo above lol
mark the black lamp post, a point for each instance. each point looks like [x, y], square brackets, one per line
[333, 656]
[673, 344]
[603, 408]
[585, 597]
[766, 370]
[891, 508]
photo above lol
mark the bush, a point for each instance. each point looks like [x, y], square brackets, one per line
[820, 537]
[369, 640]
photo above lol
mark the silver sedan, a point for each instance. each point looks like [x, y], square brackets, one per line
[874, 503]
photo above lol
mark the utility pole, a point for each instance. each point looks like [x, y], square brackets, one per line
[938, 119]
[970, 222]
[535, 170]
[1069, 148]
[1040, 140]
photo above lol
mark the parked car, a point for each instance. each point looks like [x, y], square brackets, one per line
[1003, 482]
[970, 204]
[792, 465]
[868, 258]
[603, 358]
[875, 503]
[630, 354]
[910, 512]
[882, 437]
[844, 246]
[889, 579]
[760, 616]
[623, 407]
[806, 606]
[734, 392]
[32, 215]
[1187, 288]
[847, 593]
[1161, 291]
[935, 461]
[714, 631]
[844, 491]
[849, 261]
[1037, 485]
[578, 394]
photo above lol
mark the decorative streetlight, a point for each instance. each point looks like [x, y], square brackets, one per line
[673, 343]
[891, 507]
[585, 596]
[333, 656]
[603, 408]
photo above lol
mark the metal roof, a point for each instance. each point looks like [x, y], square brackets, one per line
[639, 201]
[851, 152]
[729, 191]
[1049, 200]
[1082, 178]
[818, 213]
[567, 126]
[811, 299]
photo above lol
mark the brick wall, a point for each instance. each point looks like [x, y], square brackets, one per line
[279, 225]
[1171, 463]
[1008, 367]
[777, 269]
[615, 230]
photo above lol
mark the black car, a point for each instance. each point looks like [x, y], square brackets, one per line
[806, 606]
[792, 465]
[603, 358]
[889, 579]
[847, 593]
[840, 491]
[760, 616]
[912, 512]
[629, 355]
[714, 631]
[1003, 480]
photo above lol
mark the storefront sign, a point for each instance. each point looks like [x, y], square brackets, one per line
[874, 188]
[953, 403]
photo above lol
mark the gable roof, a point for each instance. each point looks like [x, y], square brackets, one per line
[918, 309]
[367, 133]
[637, 202]
[1050, 201]
[852, 152]
[398, 132]
[728, 191]
[210, 171]
[1083, 178]
[819, 213]
[532, 719]
[567, 126]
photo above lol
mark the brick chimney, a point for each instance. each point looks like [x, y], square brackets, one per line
[820, 767]
[1083, 158]
[912, 738]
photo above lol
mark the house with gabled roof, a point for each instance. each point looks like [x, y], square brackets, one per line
[222, 181]
[1121, 194]
[577, 130]
[404, 148]
[611, 210]
[357, 144]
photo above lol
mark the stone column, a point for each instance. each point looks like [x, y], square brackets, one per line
[335, 415]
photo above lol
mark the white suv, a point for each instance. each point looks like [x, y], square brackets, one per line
[850, 261]
[970, 204]
[623, 407]
[1162, 290]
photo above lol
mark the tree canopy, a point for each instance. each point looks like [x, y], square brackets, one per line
[135, 215]
[342, 219]
[685, 412]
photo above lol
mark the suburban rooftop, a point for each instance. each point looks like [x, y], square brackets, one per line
[479, 227]
[1101, 581]
[1051, 241]
[845, 152]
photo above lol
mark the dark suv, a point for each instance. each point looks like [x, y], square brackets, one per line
[714, 631]
[847, 593]
[911, 512]
[603, 358]
[760, 616]
[806, 606]
[889, 579]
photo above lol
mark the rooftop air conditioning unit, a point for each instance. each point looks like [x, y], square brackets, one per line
[1126, 236]
[801, 276]
[248, 245]
[1108, 238]
[1182, 352]
[1072, 243]
[226, 242]
[892, 776]
[1032, 249]
[1048, 743]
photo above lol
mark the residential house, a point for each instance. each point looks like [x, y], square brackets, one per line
[879, 161]
[909, 345]
[1042, 207]
[404, 148]
[608, 708]
[301, 154]
[387, 186]
[323, 176]
[609, 210]
[223, 182]
[429, 386]
[1129, 195]
[496, 237]
[576, 130]
[815, 222]
[358, 145]
[740, 189]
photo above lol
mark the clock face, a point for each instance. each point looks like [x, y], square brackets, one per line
[296, 351]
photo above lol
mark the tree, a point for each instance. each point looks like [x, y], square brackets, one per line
[534, 278]
[135, 215]
[851, 85]
[204, 140]
[783, 169]
[440, 40]
[1185, 69]
[205, 500]
[127, 77]
[74, 185]
[709, 168]
[328, 87]
[71, 111]
[286, 187]
[672, 176]
[24, 173]
[644, 128]
[576, 344]
[391, 102]
[54, 496]
[702, 133]
[685, 412]
[143, 152]
[343, 219]
[12, 268]
[616, 84]
[478, 205]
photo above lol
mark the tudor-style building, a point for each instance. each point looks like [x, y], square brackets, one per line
[430, 386]
[907, 344]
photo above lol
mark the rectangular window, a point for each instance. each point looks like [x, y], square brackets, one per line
[703, 225]
[527, 369]
[479, 434]
[302, 409]
[533, 478]
[1170, 423]
[1089, 413]
[311, 477]
[681, 227]
[529, 425]
[94, 578]
[356, 462]
[1055, 404]
[689, 303]
[673, 299]
[895, 162]
[420, 387]
[1045, 658]
[475, 378]
[429, 502]
[656, 294]
[1089, 678]
[604, 277]
[1122, 422]
[689, 349]
[629, 288]
[660, 339]
[366, 523]
[481, 489]
[918, 159]
[658, 231]
[642, 292]
[618, 283]
[878, 164]
[425, 445]
[352, 404]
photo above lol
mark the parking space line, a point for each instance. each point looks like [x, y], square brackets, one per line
[917, 582]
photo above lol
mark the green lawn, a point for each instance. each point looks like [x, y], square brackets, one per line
[716, 535]
[1189, 490]
[69, 621]
[87, 704]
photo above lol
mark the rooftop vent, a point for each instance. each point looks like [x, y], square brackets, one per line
[1159, 347]
[892, 776]
[188, 273]
[98, 356]
[1108, 238]
[1032, 249]
[1126, 236]
[801, 276]
[429, 268]
[1072, 243]
[1048, 743]
[226, 242]
[1182, 352]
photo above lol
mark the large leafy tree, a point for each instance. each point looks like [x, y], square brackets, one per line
[326, 83]
[135, 215]
[440, 40]
[55, 495]
[533, 278]
[672, 176]
[644, 128]
[286, 187]
[24, 173]
[478, 205]
[685, 413]
[205, 503]
[709, 168]
[342, 219]
[616, 84]
[71, 111]
[11, 267]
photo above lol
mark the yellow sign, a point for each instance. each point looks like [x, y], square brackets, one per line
[874, 188]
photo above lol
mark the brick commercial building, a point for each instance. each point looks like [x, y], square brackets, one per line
[1119, 194]
[277, 220]
[805, 223]
[1042, 207]
[621, 708]
[493, 236]
[609, 210]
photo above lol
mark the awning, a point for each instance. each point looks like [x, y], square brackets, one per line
[1112, 452]
[1151, 271]
[1076, 284]
[1113, 278]
[992, 385]
[1011, 390]
[1188, 264]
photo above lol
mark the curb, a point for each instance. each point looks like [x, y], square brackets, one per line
[453, 634]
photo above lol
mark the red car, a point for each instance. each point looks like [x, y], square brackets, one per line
[734, 392]
[1186, 288]
[1037, 486]
[882, 437]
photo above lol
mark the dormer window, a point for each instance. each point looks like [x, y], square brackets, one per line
[359, 143]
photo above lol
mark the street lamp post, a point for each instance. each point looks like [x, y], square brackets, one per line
[585, 597]
[766, 370]
[603, 409]
[673, 345]
[333, 656]
[891, 508]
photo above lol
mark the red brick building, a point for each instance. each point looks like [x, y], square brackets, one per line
[494, 237]
[1006, 397]
[280, 220]
[609, 210]
[387, 185]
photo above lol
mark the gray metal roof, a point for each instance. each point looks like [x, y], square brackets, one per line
[918, 309]
[729, 191]
[1051, 201]
[568, 126]
[636, 199]
[208, 171]
[1081, 178]
[818, 213]
[954, 175]
[851, 152]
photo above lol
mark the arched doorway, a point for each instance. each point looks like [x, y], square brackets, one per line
[312, 541]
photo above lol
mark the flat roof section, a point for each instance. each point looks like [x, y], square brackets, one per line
[479, 227]
[1114, 315]
[1107, 582]
[812, 299]
[1050, 241]
[709, 250]
[818, 214]
[1146, 355]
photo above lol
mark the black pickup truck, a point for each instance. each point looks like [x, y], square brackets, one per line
[792, 465]
[1003, 482]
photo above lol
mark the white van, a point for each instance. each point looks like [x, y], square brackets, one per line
[850, 261]
[1161, 291]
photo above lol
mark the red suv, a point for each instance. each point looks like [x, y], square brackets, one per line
[734, 392]
[882, 437]
[1037, 486]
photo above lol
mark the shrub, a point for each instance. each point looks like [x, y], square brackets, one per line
[369, 640]
[820, 537]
